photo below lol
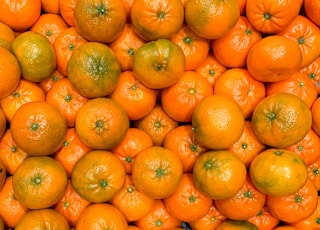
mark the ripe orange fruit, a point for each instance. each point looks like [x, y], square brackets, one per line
[10, 72]
[314, 173]
[232, 49]
[313, 72]
[264, 219]
[311, 9]
[35, 54]
[21, 14]
[278, 172]
[39, 182]
[159, 64]
[153, 20]
[295, 207]
[219, 174]
[157, 172]
[281, 120]
[271, 16]
[180, 99]
[101, 123]
[104, 214]
[236, 225]
[97, 176]
[315, 111]
[100, 21]
[217, 122]
[93, 69]
[48, 217]
[47, 83]
[137, 99]
[7, 36]
[204, 15]
[66, 8]
[38, 128]
[281, 58]
[51, 7]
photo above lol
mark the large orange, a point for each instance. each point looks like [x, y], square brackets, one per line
[38, 128]
[157, 19]
[39, 182]
[278, 172]
[93, 69]
[159, 64]
[101, 123]
[211, 19]
[100, 21]
[281, 120]
[219, 174]
[217, 122]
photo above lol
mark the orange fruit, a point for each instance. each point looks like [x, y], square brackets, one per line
[153, 20]
[158, 218]
[278, 172]
[7, 36]
[71, 205]
[195, 48]
[71, 151]
[10, 72]
[157, 172]
[134, 141]
[47, 83]
[304, 32]
[39, 182]
[35, 54]
[97, 176]
[248, 145]
[51, 7]
[137, 99]
[274, 58]
[313, 72]
[180, 99]
[159, 64]
[311, 9]
[101, 123]
[10, 154]
[217, 122]
[126, 45]
[201, 16]
[11, 210]
[157, 124]
[103, 216]
[20, 15]
[66, 8]
[3, 123]
[315, 111]
[232, 49]
[49, 25]
[132, 203]
[47, 217]
[298, 84]
[219, 174]
[63, 96]
[187, 203]
[264, 220]
[295, 207]
[25, 92]
[239, 85]
[236, 225]
[100, 21]
[271, 16]
[281, 120]
[181, 140]
[38, 128]
[93, 69]
[64, 45]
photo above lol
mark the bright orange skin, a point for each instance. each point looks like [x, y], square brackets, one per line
[315, 110]
[313, 72]
[7, 36]
[311, 8]
[50, 81]
[66, 9]
[314, 173]
[264, 220]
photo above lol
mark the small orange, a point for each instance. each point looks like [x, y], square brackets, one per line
[314, 173]
[217, 122]
[101, 123]
[264, 220]
[51, 6]
[201, 16]
[39, 182]
[47, 217]
[38, 128]
[157, 19]
[313, 72]
[274, 58]
[7, 36]
[157, 172]
[311, 9]
[103, 216]
[93, 69]
[66, 8]
[47, 83]
[281, 120]
[219, 174]
[159, 63]
[97, 176]
[100, 21]
[278, 172]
